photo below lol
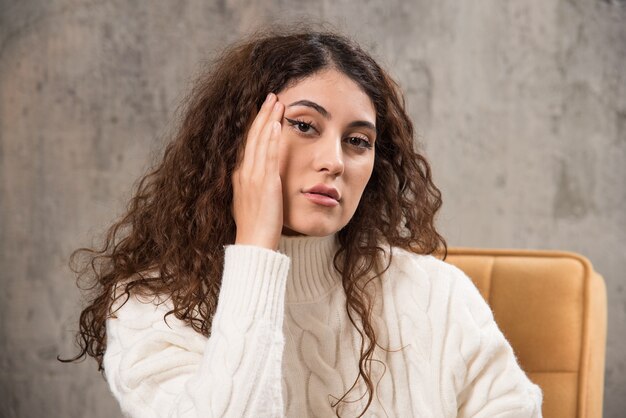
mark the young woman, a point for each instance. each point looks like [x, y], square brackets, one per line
[278, 261]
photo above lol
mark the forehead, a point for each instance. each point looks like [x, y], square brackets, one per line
[334, 91]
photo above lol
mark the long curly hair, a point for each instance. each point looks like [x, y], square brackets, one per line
[179, 218]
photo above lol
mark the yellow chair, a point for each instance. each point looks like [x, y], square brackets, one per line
[551, 306]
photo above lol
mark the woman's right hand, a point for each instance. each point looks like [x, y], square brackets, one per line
[257, 189]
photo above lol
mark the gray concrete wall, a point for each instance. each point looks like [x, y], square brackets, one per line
[521, 107]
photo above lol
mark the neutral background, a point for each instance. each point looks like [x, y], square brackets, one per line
[520, 107]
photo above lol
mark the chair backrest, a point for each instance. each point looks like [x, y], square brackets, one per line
[551, 306]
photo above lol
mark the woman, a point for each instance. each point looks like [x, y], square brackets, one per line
[277, 262]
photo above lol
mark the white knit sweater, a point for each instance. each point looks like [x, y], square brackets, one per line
[282, 345]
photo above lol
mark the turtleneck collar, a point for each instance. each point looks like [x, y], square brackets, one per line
[311, 274]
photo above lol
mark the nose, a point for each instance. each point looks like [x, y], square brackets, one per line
[329, 156]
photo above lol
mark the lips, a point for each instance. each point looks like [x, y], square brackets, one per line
[324, 190]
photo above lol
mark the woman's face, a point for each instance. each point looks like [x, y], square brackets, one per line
[328, 136]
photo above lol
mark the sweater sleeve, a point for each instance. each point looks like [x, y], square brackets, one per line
[490, 382]
[163, 368]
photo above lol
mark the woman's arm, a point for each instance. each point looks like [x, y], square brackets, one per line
[159, 369]
[155, 369]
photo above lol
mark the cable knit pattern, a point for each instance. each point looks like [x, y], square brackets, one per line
[282, 345]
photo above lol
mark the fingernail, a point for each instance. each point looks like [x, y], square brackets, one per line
[269, 96]
[276, 106]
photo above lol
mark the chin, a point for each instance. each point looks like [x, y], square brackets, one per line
[309, 229]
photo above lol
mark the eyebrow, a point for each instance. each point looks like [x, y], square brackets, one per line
[327, 115]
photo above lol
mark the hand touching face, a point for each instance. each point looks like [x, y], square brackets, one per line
[326, 152]
[257, 191]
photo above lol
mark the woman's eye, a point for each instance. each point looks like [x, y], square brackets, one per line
[307, 128]
[359, 142]
[301, 126]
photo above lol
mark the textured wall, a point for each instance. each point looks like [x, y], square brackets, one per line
[521, 107]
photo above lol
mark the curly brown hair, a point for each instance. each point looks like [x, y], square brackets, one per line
[179, 219]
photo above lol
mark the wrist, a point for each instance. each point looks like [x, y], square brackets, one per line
[258, 242]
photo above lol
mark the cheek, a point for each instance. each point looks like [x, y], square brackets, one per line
[364, 173]
[361, 178]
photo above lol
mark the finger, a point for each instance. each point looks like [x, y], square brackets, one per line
[254, 132]
[260, 163]
[261, 118]
[277, 113]
[272, 150]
